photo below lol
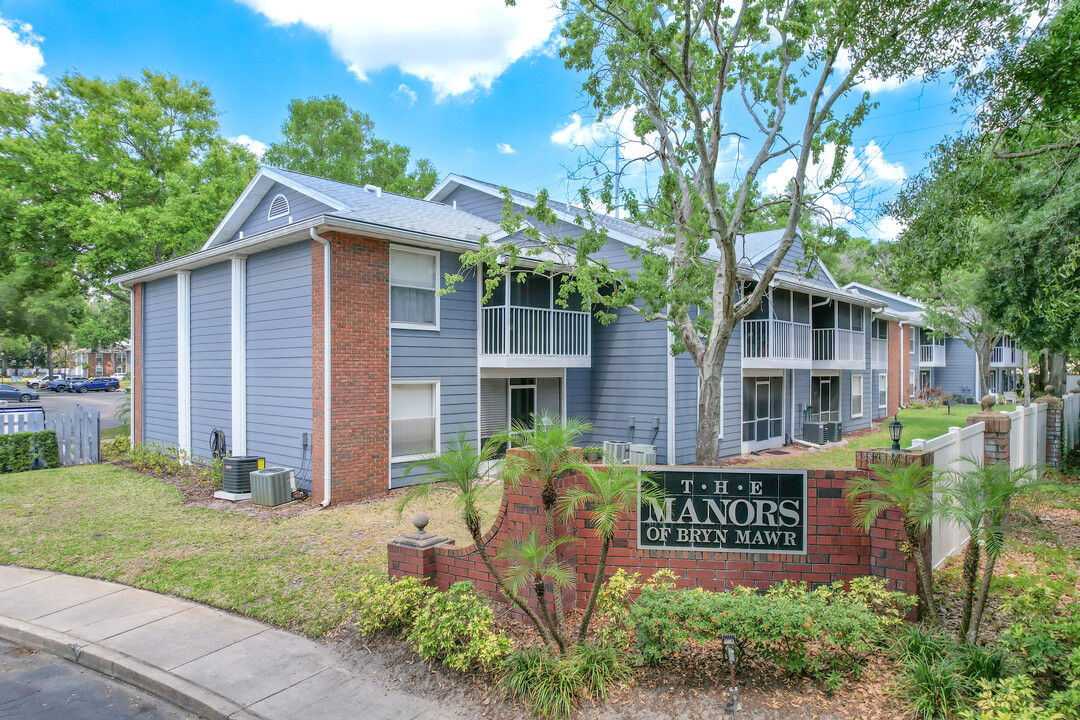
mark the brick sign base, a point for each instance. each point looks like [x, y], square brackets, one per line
[835, 550]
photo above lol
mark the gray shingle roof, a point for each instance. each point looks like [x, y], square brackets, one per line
[397, 211]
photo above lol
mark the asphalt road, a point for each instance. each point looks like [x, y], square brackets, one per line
[65, 402]
[40, 686]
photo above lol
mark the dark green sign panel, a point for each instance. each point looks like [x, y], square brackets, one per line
[727, 510]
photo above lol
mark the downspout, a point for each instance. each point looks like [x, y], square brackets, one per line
[903, 348]
[326, 363]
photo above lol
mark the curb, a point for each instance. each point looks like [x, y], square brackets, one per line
[169, 687]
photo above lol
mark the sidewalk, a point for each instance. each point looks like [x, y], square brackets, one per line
[206, 661]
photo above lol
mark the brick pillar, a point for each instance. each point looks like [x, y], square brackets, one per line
[414, 555]
[888, 558]
[996, 429]
[360, 366]
[136, 362]
[1055, 421]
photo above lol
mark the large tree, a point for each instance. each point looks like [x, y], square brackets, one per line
[327, 138]
[779, 77]
[98, 177]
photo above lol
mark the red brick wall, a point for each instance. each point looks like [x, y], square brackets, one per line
[836, 551]
[136, 361]
[897, 372]
[360, 366]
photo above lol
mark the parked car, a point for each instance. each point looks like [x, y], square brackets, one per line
[43, 381]
[12, 392]
[108, 384]
[64, 384]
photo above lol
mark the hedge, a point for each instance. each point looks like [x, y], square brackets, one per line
[18, 452]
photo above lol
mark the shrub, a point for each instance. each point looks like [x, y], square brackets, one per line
[823, 633]
[116, 449]
[614, 625]
[19, 452]
[1046, 639]
[551, 686]
[162, 460]
[1008, 699]
[455, 627]
[385, 605]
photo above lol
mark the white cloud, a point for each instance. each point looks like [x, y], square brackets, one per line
[456, 46]
[888, 228]
[879, 168]
[505, 149]
[404, 95]
[874, 85]
[251, 144]
[577, 134]
[595, 136]
[20, 56]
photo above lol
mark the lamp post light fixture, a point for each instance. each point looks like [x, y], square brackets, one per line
[895, 429]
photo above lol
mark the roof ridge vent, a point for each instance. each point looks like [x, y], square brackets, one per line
[374, 189]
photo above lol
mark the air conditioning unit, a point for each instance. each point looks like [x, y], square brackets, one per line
[814, 433]
[272, 486]
[642, 454]
[616, 452]
[833, 431]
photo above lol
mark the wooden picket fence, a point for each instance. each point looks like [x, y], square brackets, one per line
[78, 433]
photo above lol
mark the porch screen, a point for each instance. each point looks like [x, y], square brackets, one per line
[549, 396]
[493, 406]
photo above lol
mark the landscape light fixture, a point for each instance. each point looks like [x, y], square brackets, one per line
[895, 429]
[733, 705]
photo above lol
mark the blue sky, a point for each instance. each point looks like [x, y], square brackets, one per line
[451, 80]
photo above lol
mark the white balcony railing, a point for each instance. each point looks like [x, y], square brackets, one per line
[842, 347]
[1003, 356]
[779, 340]
[932, 355]
[879, 353]
[536, 331]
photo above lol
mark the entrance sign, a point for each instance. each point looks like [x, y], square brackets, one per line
[747, 510]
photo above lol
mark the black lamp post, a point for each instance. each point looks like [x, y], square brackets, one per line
[895, 428]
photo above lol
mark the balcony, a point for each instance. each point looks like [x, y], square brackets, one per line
[1005, 356]
[839, 349]
[525, 337]
[879, 353]
[775, 344]
[932, 356]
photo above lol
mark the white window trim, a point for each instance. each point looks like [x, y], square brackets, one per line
[270, 215]
[438, 421]
[862, 395]
[883, 389]
[438, 285]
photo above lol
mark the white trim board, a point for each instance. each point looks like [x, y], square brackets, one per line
[183, 362]
[239, 356]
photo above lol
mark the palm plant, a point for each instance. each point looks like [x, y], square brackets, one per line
[908, 489]
[964, 501]
[460, 471]
[533, 562]
[609, 493]
[1005, 492]
[552, 450]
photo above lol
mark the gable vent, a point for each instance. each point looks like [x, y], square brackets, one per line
[279, 207]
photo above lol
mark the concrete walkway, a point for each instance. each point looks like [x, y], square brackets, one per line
[206, 661]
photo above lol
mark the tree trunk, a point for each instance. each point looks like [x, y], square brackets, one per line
[968, 575]
[549, 499]
[708, 429]
[983, 351]
[541, 600]
[1027, 379]
[533, 617]
[926, 582]
[48, 356]
[980, 604]
[1057, 373]
[594, 591]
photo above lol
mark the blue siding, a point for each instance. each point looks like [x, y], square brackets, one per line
[159, 362]
[579, 392]
[476, 202]
[448, 355]
[301, 207]
[801, 386]
[279, 356]
[958, 375]
[686, 399]
[211, 356]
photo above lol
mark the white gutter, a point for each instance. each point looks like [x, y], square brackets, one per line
[904, 349]
[326, 363]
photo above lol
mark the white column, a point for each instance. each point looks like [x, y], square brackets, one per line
[183, 361]
[239, 356]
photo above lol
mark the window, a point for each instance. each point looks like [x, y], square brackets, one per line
[414, 281]
[913, 380]
[879, 329]
[882, 390]
[121, 357]
[98, 358]
[414, 419]
[914, 339]
[98, 370]
[856, 395]
[279, 207]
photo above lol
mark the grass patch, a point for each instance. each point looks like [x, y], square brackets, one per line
[110, 433]
[103, 521]
[924, 424]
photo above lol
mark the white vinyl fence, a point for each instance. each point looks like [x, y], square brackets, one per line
[1027, 439]
[1071, 420]
[78, 433]
[952, 452]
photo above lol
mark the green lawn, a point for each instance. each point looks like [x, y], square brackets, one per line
[110, 433]
[103, 521]
[925, 424]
